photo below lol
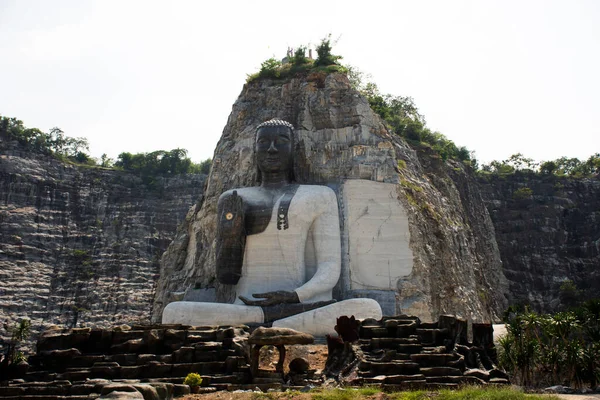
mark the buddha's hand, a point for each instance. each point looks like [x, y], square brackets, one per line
[272, 298]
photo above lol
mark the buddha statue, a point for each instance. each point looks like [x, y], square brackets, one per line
[263, 235]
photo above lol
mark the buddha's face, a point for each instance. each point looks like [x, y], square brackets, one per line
[273, 148]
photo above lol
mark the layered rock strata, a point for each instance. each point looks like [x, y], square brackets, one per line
[455, 267]
[81, 246]
[548, 232]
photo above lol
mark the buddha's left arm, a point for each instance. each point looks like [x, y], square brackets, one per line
[326, 237]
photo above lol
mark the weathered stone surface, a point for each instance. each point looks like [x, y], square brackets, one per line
[548, 237]
[376, 227]
[82, 245]
[338, 138]
[279, 336]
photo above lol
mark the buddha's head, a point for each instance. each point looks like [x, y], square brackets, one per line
[274, 148]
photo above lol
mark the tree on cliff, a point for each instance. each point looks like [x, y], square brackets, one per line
[53, 143]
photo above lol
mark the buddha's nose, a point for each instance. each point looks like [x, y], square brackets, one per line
[272, 148]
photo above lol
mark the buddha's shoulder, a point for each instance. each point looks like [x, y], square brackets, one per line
[242, 192]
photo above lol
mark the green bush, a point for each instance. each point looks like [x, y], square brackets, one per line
[522, 193]
[551, 349]
[192, 379]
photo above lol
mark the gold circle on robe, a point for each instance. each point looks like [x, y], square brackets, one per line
[229, 216]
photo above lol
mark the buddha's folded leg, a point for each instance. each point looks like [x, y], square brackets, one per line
[198, 313]
[322, 321]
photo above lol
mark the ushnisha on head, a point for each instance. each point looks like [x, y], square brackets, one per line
[274, 151]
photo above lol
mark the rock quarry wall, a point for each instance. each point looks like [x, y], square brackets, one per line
[81, 246]
[546, 235]
[456, 265]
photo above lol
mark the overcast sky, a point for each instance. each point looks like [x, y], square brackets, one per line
[499, 77]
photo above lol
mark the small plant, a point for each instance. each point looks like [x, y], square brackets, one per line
[10, 355]
[522, 193]
[193, 380]
[270, 69]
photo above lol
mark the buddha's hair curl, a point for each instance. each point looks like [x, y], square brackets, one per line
[276, 122]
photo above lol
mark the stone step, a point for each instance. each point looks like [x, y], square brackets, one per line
[370, 369]
[435, 336]
[441, 371]
[434, 360]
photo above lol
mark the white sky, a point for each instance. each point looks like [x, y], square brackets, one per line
[499, 77]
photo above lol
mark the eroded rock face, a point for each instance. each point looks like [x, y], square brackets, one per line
[456, 266]
[546, 237]
[82, 245]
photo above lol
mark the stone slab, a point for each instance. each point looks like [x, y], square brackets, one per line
[378, 235]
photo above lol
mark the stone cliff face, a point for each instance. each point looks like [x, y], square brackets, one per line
[82, 245]
[456, 265]
[548, 231]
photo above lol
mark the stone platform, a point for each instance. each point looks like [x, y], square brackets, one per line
[85, 362]
[396, 353]
[402, 352]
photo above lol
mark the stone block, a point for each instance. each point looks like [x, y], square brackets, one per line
[394, 368]
[164, 390]
[441, 371]
[183, 355]
[131, 372]
[184, 369]
[148, 391]
[433, 360]
[201, 336]
[76, 374]
[206, 356]
[180, 390]
[174, 338]
[124, 336]
[146, 358]
[397, 379]
[209, 346]
[81, 389]
[129, 346]
[155, 369]
[85, 361]
[99, 342]
[123, 359]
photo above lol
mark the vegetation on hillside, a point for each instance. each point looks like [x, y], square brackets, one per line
[57, 144]
[299, 63]
[399, 113]
[562, 167]
[552, 349]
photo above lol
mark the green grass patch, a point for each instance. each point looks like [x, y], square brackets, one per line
[469, 392]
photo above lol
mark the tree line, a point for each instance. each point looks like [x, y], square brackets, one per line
[56, 143]
[563, 166]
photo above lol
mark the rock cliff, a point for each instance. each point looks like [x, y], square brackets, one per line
[456, 265]
[548, 231]
[81, 246]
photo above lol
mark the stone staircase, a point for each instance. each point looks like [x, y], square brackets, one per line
[85, 362]
[402, 352]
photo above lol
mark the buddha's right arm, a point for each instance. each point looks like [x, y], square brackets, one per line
[231, 238]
